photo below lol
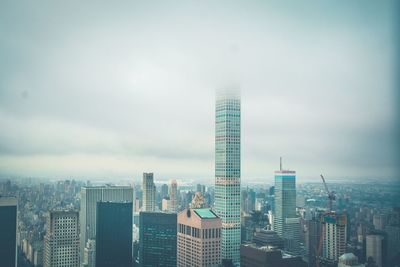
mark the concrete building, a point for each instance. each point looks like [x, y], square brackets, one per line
[173, 196]
[227, 173]
[88, 215]
[61, 242]
[8, 231]
[349, 260]
[335, 236]
[114, 234]
[199, 238]
[268, 238]
[149, 192]
[253, 256]
[376, 248]
[157, 241]
[89, 254]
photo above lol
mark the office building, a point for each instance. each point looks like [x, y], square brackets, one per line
[227, 173]
[335, 236]
[268, 238]
[89, 259]
[8, 231]
[376, 248]
[286, 223]
[87, 214]
[253, 256]
[61, 242]
[173, 196]
[199, 238]
[114, 234]
[164, 191]
[149, 192]
[157, 239]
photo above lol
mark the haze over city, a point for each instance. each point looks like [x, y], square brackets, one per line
[109, 91]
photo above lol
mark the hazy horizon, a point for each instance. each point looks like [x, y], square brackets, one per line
[95, 91]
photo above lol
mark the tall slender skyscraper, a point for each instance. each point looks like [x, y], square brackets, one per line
[8, 231]
[173, 196]
[149, 192]
[286, 223]
[227, 173]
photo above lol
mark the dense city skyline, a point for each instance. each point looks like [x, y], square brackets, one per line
[100, 92]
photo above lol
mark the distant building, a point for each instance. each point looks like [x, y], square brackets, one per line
[61, 242]
[164, 191]
[87, 214]
[158, 239]
[227, 173]
[286, 222]
[149, 192]
[376, 248]
[198, 201]
[114, 234]
[89, 259]
[173, 196]
[268, 238]
[8, 231]
[253, 256]
[335, 236]
[349, 260]
[199, 238]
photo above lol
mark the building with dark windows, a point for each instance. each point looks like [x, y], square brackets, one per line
[8, 231]
[114, 234]
[158, 240]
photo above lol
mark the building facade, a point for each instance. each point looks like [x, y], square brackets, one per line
[286, 223]
[335, 236]
[149, 192]
[157, 239]
[376, 248]
[8, 231]
[199, 238]
[61, 242]
[114, 234]
[227, 173]
[173, 196]
[87, 214]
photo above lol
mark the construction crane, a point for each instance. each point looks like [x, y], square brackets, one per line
[331, 194]
[331, 197]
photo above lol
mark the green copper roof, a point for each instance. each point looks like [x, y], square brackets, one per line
[205, 213]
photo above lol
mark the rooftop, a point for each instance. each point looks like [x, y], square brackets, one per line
[205, 213]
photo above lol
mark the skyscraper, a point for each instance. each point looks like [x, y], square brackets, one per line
[87, 215]
[199, 238]
[376, 248]
[8, 231]
[114, 234]
[286, 223]
[227, 173]
[157, 245]
[149, 192]
[173, 196]
[335, 236]
[61, 242]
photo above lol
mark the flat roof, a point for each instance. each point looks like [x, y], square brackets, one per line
[205, 213]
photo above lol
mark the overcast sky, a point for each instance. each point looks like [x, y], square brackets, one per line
[110, 90]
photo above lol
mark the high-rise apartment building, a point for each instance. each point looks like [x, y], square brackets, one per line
[227, 173]
[157, 241]
[87, 215]
[199, 238]
[173, 196]
[114, 234]
[149, 192]
[286, 222]
[61, 242]
[335, 235]
[8, 231]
